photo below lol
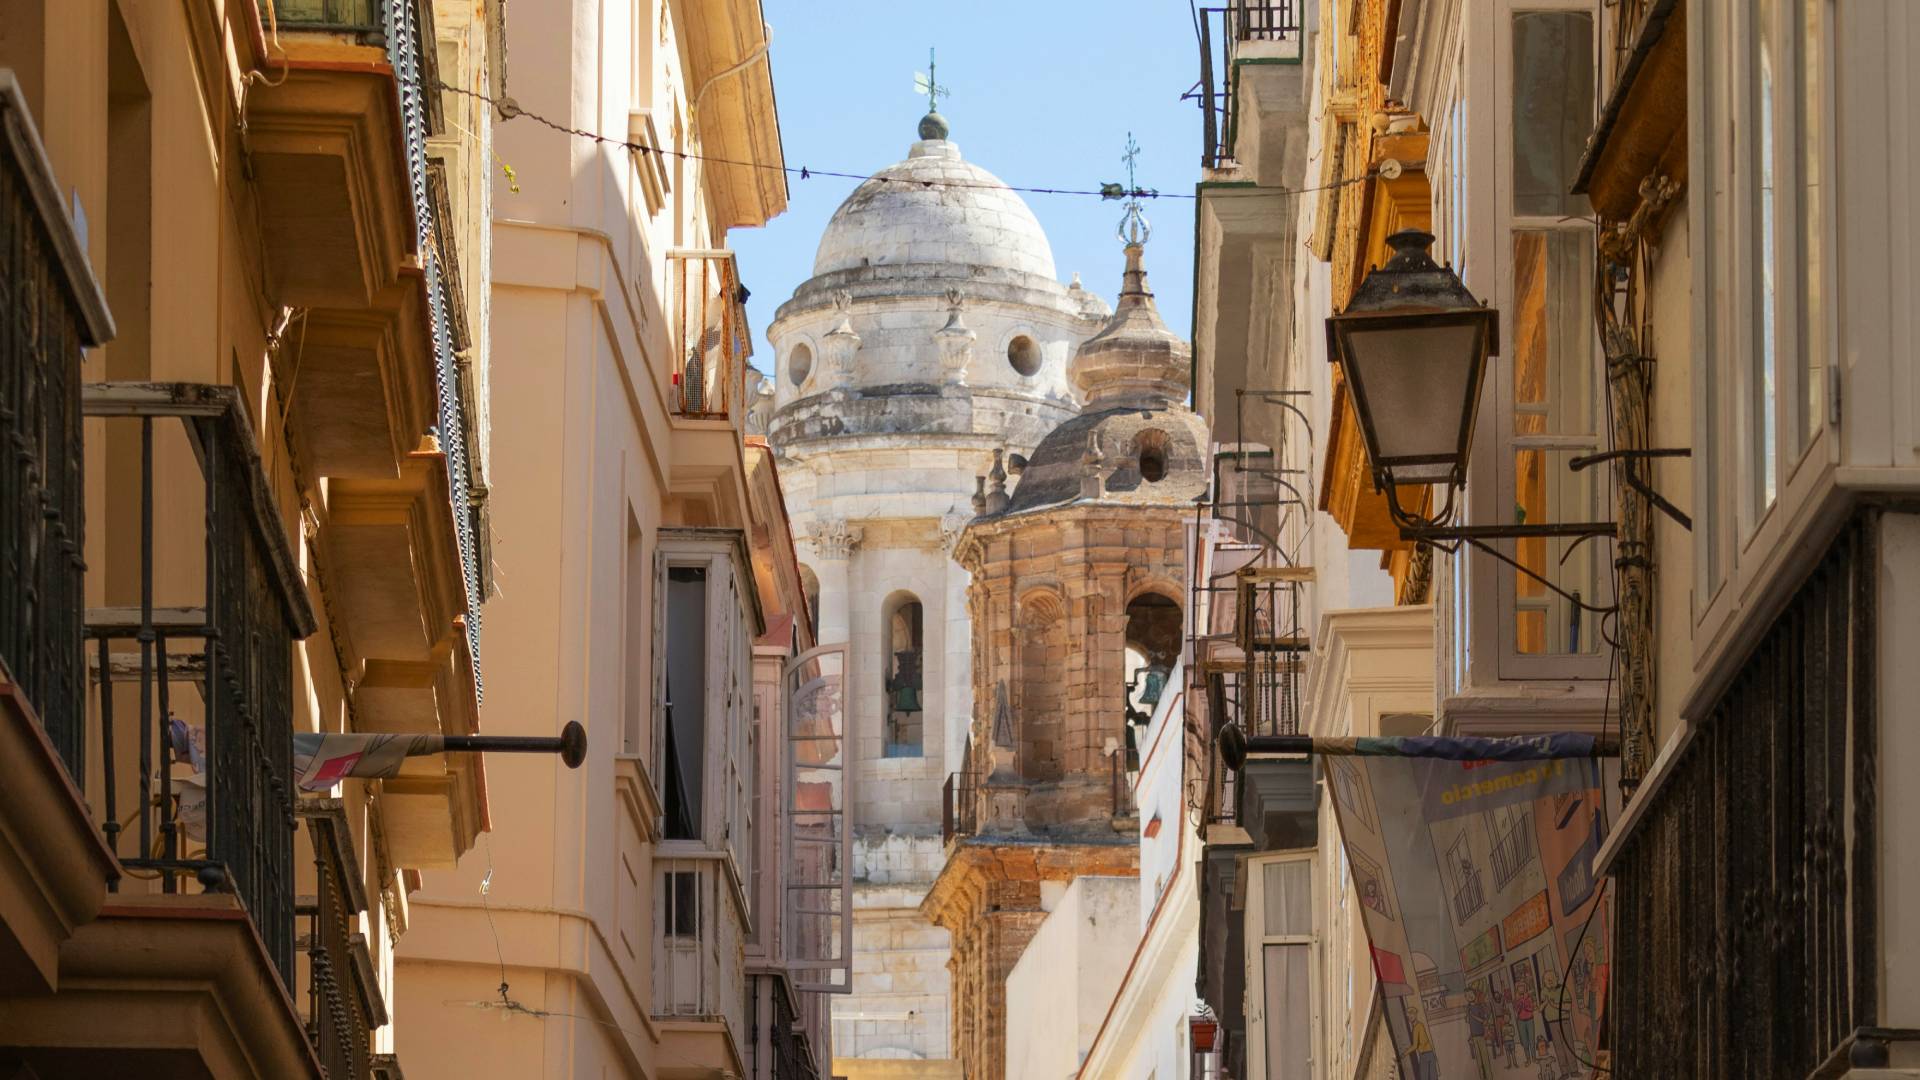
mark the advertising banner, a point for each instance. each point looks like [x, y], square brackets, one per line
[1472, 860]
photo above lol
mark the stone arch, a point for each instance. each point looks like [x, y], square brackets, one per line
[1040, 662]
[903, 667]
[1152, 645]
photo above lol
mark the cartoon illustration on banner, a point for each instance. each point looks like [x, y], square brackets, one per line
[1489, 934]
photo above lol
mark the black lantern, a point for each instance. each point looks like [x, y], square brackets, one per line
[1413, 343]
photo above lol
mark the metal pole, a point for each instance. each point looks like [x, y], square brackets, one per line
[571, 744]
[1603, 746]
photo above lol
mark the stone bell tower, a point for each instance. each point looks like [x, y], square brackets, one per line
[1078, 577]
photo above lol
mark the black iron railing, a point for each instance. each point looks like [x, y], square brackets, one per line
[790, 1057]
[1223, 31]
[1745, 899]
[343, 1001]
[195, 699]
[959, 812]
[50, 312]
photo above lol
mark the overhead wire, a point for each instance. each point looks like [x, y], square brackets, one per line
[510, 109]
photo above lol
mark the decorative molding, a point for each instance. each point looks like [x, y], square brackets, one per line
[833, 538]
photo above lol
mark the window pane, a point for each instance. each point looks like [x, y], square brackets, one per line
[1552, 109]
[686, 700]
[1287, 1013]
[1812, 369]
[1766, 306]
[1288, 889]
[1556, 417]
[905, 701]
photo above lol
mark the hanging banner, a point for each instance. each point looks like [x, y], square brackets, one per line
[321, 761]
[1473, 863]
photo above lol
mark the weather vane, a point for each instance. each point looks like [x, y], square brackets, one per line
[1134, 228]
[923, 84]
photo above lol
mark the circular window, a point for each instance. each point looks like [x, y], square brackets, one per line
[800, 364]
[1024, 354]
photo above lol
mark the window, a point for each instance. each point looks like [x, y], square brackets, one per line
[799, 364]
[686, 713]
[1553, 90]
[1547, 403]
[633, 639]
[1512, 831]
[1766, 308]
[1024, 354]
[1763, 286]
[704, 622]
[904, 686]
[1282, 1013]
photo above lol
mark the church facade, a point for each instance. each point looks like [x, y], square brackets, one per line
[932, 336]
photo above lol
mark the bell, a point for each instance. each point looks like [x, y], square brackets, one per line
[906, 699]
[1156, 682]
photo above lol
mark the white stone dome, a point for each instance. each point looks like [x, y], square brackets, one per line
[967, 217]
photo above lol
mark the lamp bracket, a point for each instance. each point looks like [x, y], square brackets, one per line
[1632, 476]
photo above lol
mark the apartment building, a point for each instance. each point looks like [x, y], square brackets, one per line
[1688, 479]
[674, 908]
[245, 506]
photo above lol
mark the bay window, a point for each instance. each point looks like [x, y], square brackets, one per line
[705, 616]
[1283, 1017]
[1530, 249]
[1763, 285]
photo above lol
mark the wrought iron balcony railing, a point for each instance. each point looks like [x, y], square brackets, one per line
[1225, 36]
[772, 1008]
[343, 1000]
[959, 810]
[193, 678]
[1746, 897]
[709, 333]
[50, 312]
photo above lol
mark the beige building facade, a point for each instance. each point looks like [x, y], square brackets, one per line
[637, 919]
[245, 505]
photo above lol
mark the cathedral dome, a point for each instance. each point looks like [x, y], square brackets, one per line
[935, 208]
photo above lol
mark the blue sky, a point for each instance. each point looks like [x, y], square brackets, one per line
[1044, 93]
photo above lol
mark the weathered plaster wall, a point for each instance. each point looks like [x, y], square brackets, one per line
[1058, 992]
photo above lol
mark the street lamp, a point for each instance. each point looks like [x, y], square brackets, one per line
[1413, 344]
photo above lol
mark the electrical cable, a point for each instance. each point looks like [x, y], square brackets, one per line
[511, 109]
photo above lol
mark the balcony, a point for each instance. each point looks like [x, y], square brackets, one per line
[1748, 896]
[1231, 39]
[708, 335]
[53, 866]
[699, 975]
[960, 804]
[343, 1002]
[780, 1049]
[328, 149]
[189, 698]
